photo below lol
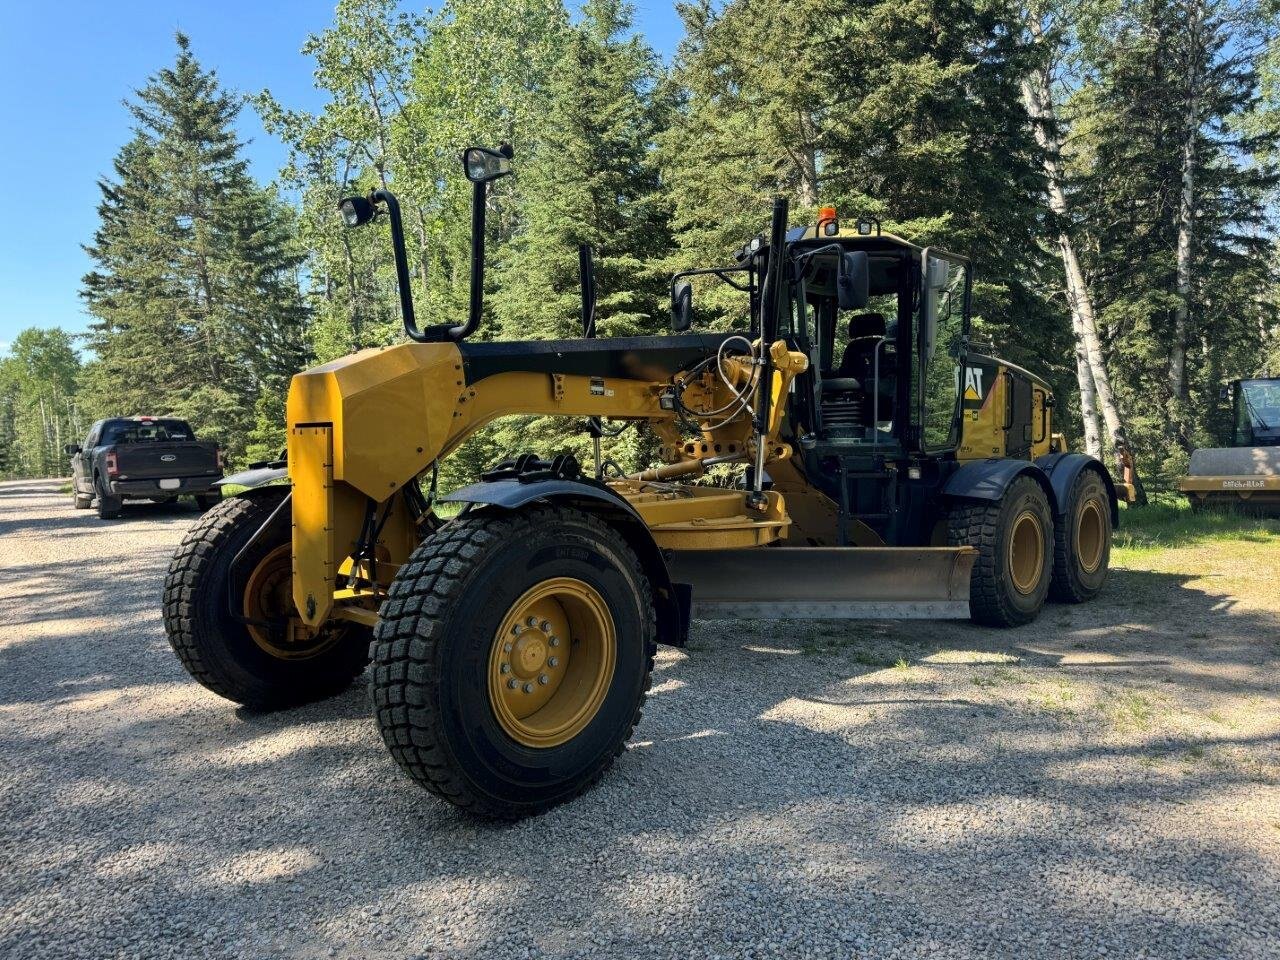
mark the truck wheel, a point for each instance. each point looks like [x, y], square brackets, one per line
[512, 657]
[267, 665]
[1014, 538]
[207, 501]
[109, 506]
[1082, 541]
[79, 500]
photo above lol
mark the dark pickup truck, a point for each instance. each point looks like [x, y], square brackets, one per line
[142, 458]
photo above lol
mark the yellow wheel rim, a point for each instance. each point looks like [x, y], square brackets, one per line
[1026, 552]
[552, 662]
[1091, 535]
[268, 597]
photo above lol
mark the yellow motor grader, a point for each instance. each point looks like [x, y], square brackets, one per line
[889, 467]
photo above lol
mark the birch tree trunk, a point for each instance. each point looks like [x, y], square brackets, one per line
[1088, 393]
[1084, 324]
[1187, 203]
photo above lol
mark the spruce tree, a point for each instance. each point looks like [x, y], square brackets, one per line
[1175, 189]
[591, 178]
[194, 287]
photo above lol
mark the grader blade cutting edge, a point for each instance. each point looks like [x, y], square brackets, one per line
[814, 583]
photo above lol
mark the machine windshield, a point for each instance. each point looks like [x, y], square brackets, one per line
[1258, 411]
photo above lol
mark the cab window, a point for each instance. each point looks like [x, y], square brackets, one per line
[941, 326]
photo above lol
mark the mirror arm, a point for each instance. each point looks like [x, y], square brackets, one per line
[718, 273]
[388, 199]
[587, 278]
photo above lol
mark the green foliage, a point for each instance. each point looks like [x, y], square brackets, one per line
[1154, 77]
[194, 290]
[208, 291]
[39, 412]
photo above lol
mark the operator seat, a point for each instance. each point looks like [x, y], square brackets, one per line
[846, 406]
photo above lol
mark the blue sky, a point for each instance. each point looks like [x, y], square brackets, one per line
[65, 68]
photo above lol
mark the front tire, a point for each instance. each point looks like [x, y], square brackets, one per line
[259, 667]
[79, 501]
[1014, 539]
[467, 688]
[1082, 541]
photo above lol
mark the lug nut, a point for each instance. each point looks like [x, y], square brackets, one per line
[546, 626]
[515, 631]
[506, 648]
[532, 621]
[528, 688]
[554, 641]
[506, 668]
[543, 679]
[553, 662]
[512, 683]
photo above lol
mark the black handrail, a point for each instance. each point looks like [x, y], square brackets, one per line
[440, 331]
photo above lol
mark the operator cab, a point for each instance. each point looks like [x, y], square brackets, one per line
[883, 364]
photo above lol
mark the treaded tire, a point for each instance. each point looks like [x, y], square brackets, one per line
[80, 502]
[994, 601]
[109, 507]
[1072, 582]
[216, 648]
[432, 645]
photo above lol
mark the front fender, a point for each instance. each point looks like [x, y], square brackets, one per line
[255, 477]
[1062, 470]
[989, 479]
[671, 600]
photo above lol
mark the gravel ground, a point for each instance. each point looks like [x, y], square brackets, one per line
[1105, 782]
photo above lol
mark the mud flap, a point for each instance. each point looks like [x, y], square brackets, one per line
[813, 583]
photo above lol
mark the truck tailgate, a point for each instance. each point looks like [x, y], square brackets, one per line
[188, 458]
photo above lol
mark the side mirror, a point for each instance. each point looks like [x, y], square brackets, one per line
[853, 285]
[681, 307]
[71, 449]
[483, 164]
[356, 211]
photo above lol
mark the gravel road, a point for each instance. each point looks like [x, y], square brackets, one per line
[1105, 782]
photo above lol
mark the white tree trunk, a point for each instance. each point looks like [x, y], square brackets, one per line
[1095, 388]
[1187, 203]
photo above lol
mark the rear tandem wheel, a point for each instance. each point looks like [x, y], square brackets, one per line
[1014, 538]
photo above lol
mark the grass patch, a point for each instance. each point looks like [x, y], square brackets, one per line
[1000, 677]
[1129, 710]
[1169, 522]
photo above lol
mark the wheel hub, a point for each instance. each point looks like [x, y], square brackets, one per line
[551, 662]
[1026, 552]
[1090, 535]
[273, 622]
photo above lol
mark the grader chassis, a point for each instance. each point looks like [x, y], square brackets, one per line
[897, 471]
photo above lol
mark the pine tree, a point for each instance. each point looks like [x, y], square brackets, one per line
[194, 287]
[591, 178]
[1174, 195]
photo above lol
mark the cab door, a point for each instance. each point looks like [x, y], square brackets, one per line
[80, 478]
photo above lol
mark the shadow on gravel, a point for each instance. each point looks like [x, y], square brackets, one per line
[778, 787]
